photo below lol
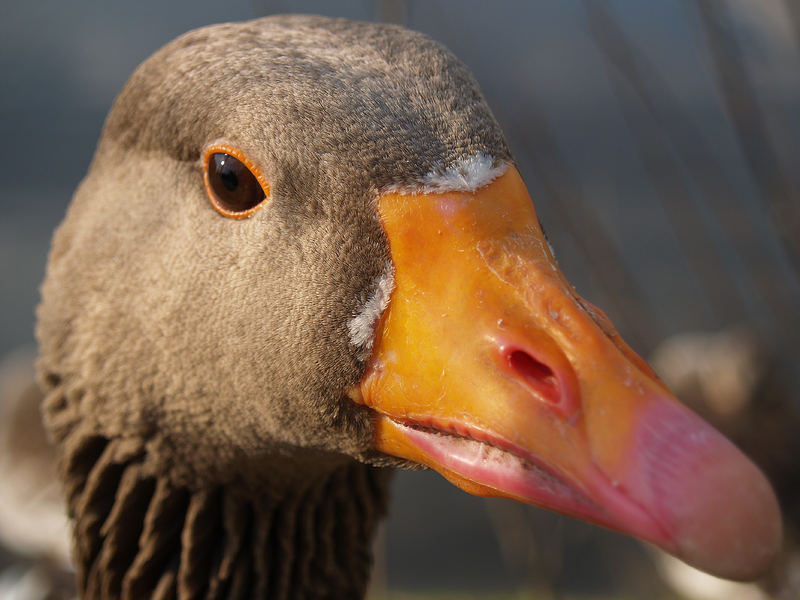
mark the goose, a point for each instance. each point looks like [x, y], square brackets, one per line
[302, 256]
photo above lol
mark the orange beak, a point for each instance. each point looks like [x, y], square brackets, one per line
[489, 368]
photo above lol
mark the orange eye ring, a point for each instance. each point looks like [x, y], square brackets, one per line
[236, 188]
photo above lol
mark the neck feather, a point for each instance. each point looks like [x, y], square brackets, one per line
[137, 534]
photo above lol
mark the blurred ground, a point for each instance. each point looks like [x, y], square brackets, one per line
[659, 142]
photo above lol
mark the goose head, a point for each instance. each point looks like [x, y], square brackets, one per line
[303, 247]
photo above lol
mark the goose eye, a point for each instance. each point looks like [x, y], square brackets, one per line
[234, 185]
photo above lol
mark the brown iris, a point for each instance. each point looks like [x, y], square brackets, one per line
[234, 184]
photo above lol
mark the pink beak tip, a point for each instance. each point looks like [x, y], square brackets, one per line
[717, 507]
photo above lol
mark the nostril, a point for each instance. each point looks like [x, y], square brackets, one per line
[536, 374]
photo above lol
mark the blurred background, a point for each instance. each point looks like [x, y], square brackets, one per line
[661, 144]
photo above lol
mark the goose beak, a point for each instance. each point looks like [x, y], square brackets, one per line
[489, 368]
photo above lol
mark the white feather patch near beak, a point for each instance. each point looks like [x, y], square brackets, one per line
[466, 175]
[362, 326]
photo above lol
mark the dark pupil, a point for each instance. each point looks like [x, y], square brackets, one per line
[229, 179]
[235, 188]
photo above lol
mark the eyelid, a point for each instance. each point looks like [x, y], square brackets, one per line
[221, 148]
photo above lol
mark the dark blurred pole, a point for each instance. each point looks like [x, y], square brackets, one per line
[532, 545]
[793, 10]
[781, 197]
[392, 11]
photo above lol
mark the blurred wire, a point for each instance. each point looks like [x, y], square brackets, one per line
[577, 219]
[701, 202]
[778, 193]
